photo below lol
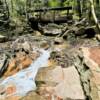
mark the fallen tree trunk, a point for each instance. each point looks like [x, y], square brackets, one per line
[49, 9]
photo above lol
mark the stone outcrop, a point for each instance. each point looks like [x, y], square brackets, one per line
[88, 65]
[65, 84]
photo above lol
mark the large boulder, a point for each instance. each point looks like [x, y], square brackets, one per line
[89, 58]
[62, 84]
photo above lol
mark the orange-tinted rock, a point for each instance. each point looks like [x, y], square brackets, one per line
[26, 46]
[26, 62]
[13, 98]
[96, 75]
[10, 90]
[92, 60]
[12, 64]
[21, 61]
[48, 93]
[95, 54]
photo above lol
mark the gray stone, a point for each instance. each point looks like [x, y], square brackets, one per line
[70, 87]
[58, 40]
[44, 44]
[52, 32]
[26, 46]
[3, 38]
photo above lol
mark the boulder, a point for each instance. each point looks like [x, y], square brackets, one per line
[52, 30]
[58, 40]
[3, 38]
[91, 61]
[26, 46]
[65, 84]
[44, 45]
[70, 87]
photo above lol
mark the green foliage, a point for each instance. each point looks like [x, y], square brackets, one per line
[20, 4]
[68, 3]
[54, 3]
[36, 4]
[15, 6]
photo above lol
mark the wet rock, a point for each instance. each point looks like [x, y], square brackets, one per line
[2, 60]
[33, 96]
[3, 38]
[61, 57]
[12, 98]
[52, 32]
[26, 46]
[3, 64]
[21, 43]
[58, 41]
[8, 90]
[21, 61]
[44, 44]
[13, 87]
[2, 89]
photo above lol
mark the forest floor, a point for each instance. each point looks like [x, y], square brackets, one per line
[72, 71]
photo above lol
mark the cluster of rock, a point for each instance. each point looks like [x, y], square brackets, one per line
[88, 65]
[71, 75]
[61, 84]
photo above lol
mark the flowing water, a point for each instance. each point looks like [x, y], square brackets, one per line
[24, 81]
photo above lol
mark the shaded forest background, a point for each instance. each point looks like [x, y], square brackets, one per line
[16, 13]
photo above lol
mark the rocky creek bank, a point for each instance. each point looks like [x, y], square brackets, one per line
[72, 71]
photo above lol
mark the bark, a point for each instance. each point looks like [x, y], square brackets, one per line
[94, 15]
[79, 8]
[12, 5]
[7, 9]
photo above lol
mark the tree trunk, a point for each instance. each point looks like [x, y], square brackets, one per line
[8, 14]
[94, 15]
[79, 8]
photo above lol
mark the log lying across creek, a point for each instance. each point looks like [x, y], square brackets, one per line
[55, 19]
[53, 8]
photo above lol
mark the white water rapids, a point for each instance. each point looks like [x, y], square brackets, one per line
[24, 80]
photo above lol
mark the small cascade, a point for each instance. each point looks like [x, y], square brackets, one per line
[24, 80]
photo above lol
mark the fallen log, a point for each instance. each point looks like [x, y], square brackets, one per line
[49, 9]
[88, 32]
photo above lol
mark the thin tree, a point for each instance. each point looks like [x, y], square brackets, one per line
[79, 8]
[94, 15]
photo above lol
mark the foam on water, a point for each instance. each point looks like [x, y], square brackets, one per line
[24, 80]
